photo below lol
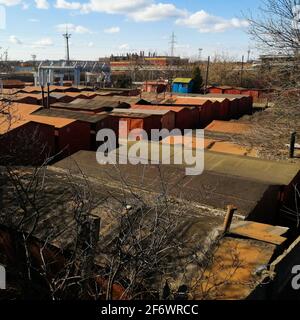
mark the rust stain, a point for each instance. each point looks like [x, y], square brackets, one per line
[231, 276]
[228, 127]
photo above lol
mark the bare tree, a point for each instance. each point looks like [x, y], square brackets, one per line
[277, 27]
[144, 253]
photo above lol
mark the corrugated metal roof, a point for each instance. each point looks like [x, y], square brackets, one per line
[74, 94]
[130, 115]
[37, 96]
[242, 181]
[78, 100]
[225, 95]
[201, 98]
[121, 99]
[56, 122]
[182, 80]
[159, 107]
[91, 118]
[87, 104]
[57, 95]
[51, 88]
[221, 87]
[9, 91]
[142, 111]
[18, 116]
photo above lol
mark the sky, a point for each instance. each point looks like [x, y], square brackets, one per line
[101, 27]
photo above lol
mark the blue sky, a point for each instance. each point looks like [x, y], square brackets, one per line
[102, 27]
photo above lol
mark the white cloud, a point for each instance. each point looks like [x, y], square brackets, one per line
[138, 10]
[62, 4]
[205, 22]
[124, 46]
[10, 3]
[42, 4]
[33, 20]
[112, 30]
[150, 10]
[159, 11]
[42, 43]
[72, 28]
[15, 40]
[90, 44]
[115, 6]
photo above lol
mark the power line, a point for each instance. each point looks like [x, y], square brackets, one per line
[173, 43]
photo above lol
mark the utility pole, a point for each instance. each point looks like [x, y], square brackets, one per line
[67, 36]
[33, 56]
[242, 71]
[292, 144]
[173, 43]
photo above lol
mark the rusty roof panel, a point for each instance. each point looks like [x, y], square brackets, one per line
[260, 231]
[19, 115]
[56, 122]
[82, 116]
[232, 272]
[143, 111]
[233, 148]
[228, 127]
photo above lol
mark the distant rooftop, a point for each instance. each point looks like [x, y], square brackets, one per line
[57, 113]
[182, 80]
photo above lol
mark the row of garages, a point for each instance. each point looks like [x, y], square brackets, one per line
[14, 89]
[256, 94]
[54, 97]
[67, 127]
[214, 107]
[27, 137]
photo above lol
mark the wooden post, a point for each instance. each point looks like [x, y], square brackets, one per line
[292, 145]
[228, 218]
[88, 238]
[48, 95]
[43, 96]
[242, 71]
